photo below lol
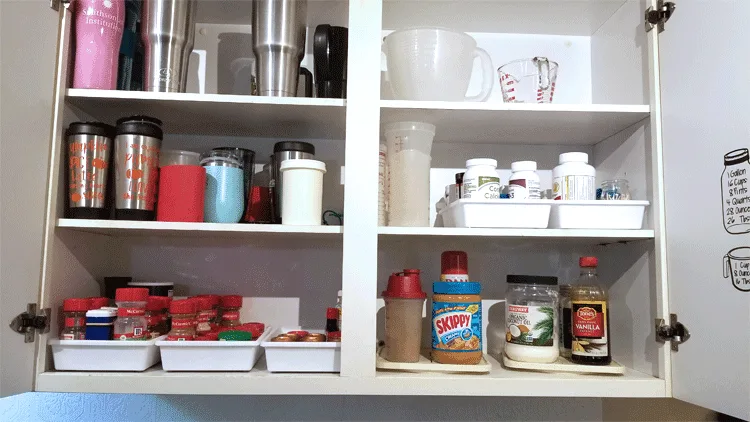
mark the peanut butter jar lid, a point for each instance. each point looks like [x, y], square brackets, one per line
[456, 287]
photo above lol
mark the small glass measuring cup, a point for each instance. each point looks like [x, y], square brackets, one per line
[528, 80]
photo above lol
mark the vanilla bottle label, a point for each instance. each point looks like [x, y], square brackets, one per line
[589, 326]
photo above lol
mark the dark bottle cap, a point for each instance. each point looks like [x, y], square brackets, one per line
[294, 146]
[736, 157]
[459, 178]
[531, 279]
[140, 125]
[91, 128]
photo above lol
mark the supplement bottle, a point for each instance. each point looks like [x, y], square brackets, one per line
[574, 178]
[531, 319]
[457, 322]
[590, 314]
[481, 181]
[524, 182]
[131, 322]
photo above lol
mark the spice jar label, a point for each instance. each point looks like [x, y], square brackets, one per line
[231, 315]
[530, 325]
[590, 328]
[138, 333]
[457, 326]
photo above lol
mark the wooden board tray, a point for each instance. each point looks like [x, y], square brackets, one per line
[564, 365]
[426, 365]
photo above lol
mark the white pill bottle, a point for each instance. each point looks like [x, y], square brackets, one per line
[524, 182]
[574, 179]
[481, 181]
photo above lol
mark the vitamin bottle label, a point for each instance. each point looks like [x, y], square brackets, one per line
[524, 189]
[530, 325]
[590, 336]
[457, 327]
[483, 187]
[574, 188]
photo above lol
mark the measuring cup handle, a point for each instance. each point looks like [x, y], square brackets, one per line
[727, 268]
[488, 78]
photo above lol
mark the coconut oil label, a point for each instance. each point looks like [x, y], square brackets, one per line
[482, 187]
[530, 325]
[590, 334]
[457, 327]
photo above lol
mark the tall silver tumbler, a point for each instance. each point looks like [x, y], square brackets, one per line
[287, 150]
[168, 34]
[279, 45]
[137, 148]
[89, 147]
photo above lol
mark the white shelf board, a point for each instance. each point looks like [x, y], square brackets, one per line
[499, 382]
[580, 235]
[217, 114]
[517, 123]
[160, 228]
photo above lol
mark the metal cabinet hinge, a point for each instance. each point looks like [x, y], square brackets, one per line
[675, 332]
[30, 321]
[656, 17]
[55, 4]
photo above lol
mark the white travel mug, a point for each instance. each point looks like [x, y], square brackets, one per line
[302, 198]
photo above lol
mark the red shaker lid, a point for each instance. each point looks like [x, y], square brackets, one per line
[454, 262]
[231, 301]
[588, 261]
[184, 306]
[404, 286]
[154, 303]
[76, 305]
[215, 299]
[165, 301]
[131, 294]
[202, 303]
[98, 302]
[332, 313]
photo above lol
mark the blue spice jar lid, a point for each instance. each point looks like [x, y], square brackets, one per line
[456, 287]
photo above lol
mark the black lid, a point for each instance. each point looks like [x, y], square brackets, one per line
[736, 157]
[140, 125]
[242, 151]
[459, 178]
[90, 128]
[532, 279]
[294, 146]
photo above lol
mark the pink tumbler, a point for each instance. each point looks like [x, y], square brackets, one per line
[98, 34]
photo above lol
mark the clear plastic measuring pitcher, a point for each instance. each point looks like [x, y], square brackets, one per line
[528, 80]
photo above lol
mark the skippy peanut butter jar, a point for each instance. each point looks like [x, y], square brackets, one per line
[457, 322]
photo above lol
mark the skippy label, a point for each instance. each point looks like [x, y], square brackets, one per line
[483, 187]
[457, 327]
[530, 325]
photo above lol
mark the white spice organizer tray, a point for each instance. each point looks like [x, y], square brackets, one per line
[425, 364]
[564, 365]
[300, 356]
[206, 356]
[104, 355]
[613, 215]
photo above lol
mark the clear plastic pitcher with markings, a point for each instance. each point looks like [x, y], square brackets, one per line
[528, 80]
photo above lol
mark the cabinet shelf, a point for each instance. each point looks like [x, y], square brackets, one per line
[542, 235]
[160, 228]
[510, 123]
[499, 382]
[216, 114]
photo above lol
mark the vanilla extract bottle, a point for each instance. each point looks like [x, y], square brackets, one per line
[590, 317]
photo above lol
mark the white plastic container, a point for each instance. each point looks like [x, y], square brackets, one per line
[615, 215]
[524, 181]
[409, 145]
[504, 213]
[481, 181]
[211, 355]
[574, 179]
[302, 197]
[175, 157]
[302, 356]
[104, 355]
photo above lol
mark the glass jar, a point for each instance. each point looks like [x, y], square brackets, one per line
[131, 322]
[564, 337]
[203, 310]
[230, 310]
[617, 189]
[215, 320]
[531, 319]
[154, 316]
[590, 343]
[74, 314]
[183, 320]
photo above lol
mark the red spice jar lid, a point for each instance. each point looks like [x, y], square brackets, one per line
[164, 301]
[154, 303]
[98, 302]
[588, 261]
[184, 306]
[404, 286]
[215, 299]
[332, 313]
[454, 262]
[231, 301]
[202, 303]
[131, 294]
[76, 305]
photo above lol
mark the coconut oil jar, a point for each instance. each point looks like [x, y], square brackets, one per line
[531, 319]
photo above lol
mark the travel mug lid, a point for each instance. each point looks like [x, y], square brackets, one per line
[303, 163]
[90, 128]
[222, 159]
[404, 286]
[140, 125]
[294, 146]
[241, 153]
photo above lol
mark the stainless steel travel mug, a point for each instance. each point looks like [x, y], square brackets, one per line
[288, 150]
[137, 147]
[279, 45]
[89, 146]
[168, 34]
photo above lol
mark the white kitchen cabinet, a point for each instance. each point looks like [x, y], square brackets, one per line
[639, 103]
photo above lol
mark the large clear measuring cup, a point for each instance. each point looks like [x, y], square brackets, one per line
[528, 80]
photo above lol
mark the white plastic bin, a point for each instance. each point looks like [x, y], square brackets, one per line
[302, 356]
[503, 213]
[613, 215]
[104, 355]
[211, 355]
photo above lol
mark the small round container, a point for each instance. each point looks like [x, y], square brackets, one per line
[524, 181]
[454, 266]
[531, 319]
[175, 157]
[617, 189]
[404, 300]
[100, 324]
[302, 196]
[155, 288]
[481, 181]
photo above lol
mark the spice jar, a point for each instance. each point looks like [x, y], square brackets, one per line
[454, 266]
[230, 310]
[154, 316]
[98, 302]
[131, 322]
[74, 314]
[183, 320]
[215, 320]
[456, 322]
[531, 319]
[203, 309]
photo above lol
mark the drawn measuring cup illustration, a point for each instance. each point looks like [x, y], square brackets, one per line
[737, 267]
[735, 191]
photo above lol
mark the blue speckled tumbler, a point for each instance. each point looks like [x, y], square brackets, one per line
[225, 197]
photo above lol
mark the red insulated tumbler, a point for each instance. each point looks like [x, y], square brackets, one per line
[181, 194]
